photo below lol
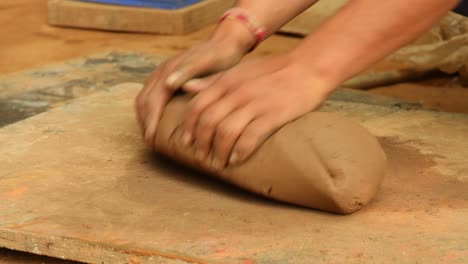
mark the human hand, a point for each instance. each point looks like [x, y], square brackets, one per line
[237, 110]
[224, 49]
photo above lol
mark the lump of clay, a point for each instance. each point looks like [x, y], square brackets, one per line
[321, 160]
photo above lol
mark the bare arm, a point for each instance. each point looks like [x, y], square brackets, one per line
[270, 15]
[236, 112]
[274, 14]
[365, 31]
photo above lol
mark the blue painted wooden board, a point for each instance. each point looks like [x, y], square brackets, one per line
[162, 4]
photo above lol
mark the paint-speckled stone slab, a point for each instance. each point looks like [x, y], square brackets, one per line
[31, 92]
[76, 182]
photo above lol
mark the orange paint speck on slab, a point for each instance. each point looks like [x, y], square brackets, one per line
[16, 193]
[455, 256]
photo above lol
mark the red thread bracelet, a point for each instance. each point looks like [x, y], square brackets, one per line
[250, 23]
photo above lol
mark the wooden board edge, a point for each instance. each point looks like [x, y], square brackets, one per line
[145, 20]
[82, 251]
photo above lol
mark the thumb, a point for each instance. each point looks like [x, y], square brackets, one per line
[195, 67]
[198, 84]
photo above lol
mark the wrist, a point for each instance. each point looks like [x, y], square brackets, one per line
[233, 36]
[323, 79]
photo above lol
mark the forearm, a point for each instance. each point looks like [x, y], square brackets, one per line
[269, 15]
[272, 15]
[365, 31]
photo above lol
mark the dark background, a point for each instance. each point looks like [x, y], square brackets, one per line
[462, 8]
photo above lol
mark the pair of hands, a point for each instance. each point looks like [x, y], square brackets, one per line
[236, 108]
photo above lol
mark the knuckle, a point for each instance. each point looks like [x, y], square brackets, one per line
[251, 134]
[250, 139]
[196, 106]
[243, 93]
[226, 81]
[226, 131]
[244, 144]
[208, 120]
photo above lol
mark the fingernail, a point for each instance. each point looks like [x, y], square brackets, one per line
[186, 138]
[216, 164]
[234, 158]
[173, 79]
[193, 83]
[199, 154]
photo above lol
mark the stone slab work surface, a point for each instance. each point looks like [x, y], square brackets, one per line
[77, 182]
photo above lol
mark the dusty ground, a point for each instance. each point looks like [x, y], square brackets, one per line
[27, 42]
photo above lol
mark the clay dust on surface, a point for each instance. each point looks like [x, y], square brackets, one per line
[411, 184]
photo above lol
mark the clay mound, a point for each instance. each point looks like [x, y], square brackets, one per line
[322, 161]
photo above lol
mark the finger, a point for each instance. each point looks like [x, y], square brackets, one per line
[228, 132]
[211, 116]
[192, 67]
[140, 100]
[159, 101]
[156, 100]
[152, 79]
[197, 106]
[254, 135]
[143, 104]
[198, 84]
